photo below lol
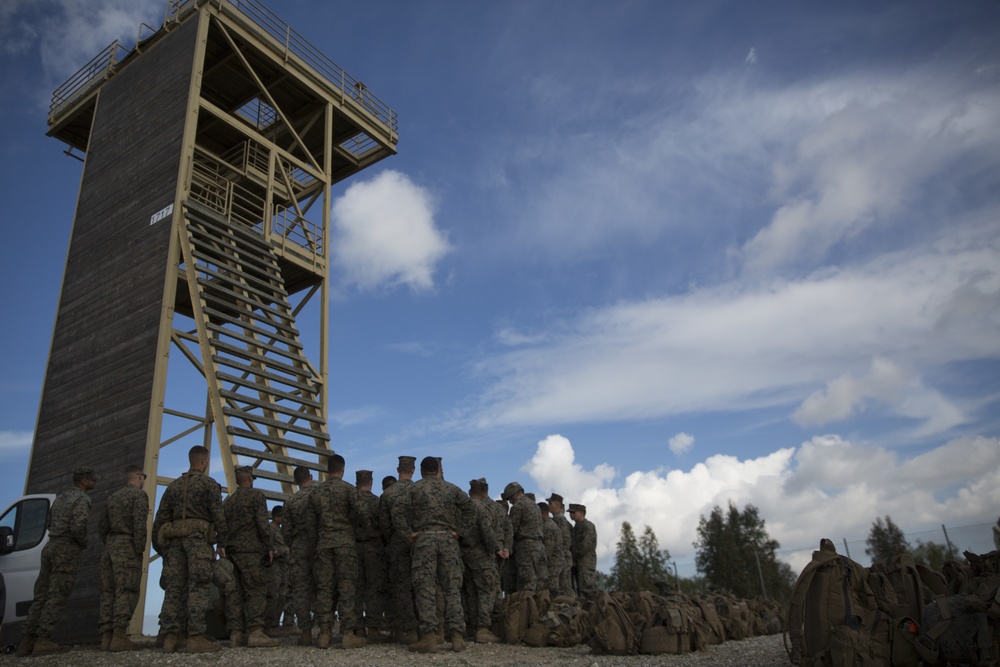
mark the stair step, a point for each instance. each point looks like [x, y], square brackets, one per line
[293, 354]
[236, 413]
[292, 332]
[260, 283]
[236, 296]
[277, 458]
[268, 362]
[282, 442]
[203, 215]
[268, 405]
[253, 371]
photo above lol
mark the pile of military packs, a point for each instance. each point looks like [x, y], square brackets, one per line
[630, 623]
[895, 613]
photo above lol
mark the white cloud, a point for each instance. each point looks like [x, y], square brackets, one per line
[741, 346]
[386, 235]
[681, 443]
[751, 58]
[826, 487]
[15, 441]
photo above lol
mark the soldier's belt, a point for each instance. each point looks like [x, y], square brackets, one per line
[186, 528]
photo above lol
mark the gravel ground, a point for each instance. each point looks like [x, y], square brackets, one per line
[764, 651]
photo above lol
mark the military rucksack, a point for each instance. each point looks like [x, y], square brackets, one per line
[835, 618]
[911, 597]
[612, 629]
[520, 612]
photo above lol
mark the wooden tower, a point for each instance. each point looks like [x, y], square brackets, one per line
[201, 231]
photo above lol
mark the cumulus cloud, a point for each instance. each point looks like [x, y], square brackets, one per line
[825, 487]
[386, 235]
[743, 346]
[681, 443]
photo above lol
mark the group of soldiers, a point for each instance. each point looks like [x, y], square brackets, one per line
[423, 563]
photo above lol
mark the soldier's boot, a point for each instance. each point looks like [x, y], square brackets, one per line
[106, 641]
[237, 638]
[121, 642]
[353, 640]
[306, 638]
[201, 644]
[182, 638]
[375, 636]
[457, 642]
[45, 646]
[323, 641]
[428, 644]
[274, 631]
[257, 639]
[485, 636]
[26, 646]
[170, 642]
[440, 632]
[408, 637]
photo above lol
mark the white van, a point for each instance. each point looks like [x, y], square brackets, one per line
[24, 531]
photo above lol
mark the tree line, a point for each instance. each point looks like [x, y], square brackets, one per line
[734, 553]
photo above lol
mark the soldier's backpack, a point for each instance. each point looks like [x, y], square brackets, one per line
[716, 631]
[670, 631]
[612, 629]
[520, 612]
[835, 618]
[964, 626]
[911, 597]
[565, 622]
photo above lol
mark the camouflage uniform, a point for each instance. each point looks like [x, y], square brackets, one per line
[585, 557]
[481, 581]
[401, 611]
[300, 531]
[565, 563]
[528, 547]
[68, 518]
[277, 582]
[250, 538]
[338, 509]
[192, 504]
[505, 537]
[436, 510]
[122, 527]
[552, 539]
[371, 565]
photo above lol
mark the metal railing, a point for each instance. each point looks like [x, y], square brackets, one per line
[292, 43]
[98, 69]
[306, 237]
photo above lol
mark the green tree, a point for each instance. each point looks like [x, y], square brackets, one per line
[627, 570]
[934, 554]
[885, 540]
[654, 561]
[734, 552]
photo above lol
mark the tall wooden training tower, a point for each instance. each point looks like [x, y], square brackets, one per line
[201, 230]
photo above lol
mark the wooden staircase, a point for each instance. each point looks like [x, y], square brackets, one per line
[265, 395]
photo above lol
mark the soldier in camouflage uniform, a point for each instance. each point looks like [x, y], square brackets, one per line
[300, 530]
[529, 550]
[480, 549]
[371, 562]
[68, 519]
[584, 551]
[250, 540]
[186, 525]
[552, 539]
[122, 528]
[338, 510]
[505, 538]
[431, 515]
[277, 582]
[564, 565]
[401, 610]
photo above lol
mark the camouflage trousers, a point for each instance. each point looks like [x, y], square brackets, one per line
[187, 575]
[121, 569]
[337, 570]
[400, 609]
[437, 562]
[585, 579]
[56, 578]
[531, 571]
[564, 585]
[303, 586]
[245, 606]
[479, 587]
[277, 592]
[372, 583]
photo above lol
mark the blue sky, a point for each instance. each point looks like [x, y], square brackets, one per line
[652, 256]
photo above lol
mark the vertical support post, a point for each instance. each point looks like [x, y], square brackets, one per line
[847, 549]
[947, 540]
[760, 572]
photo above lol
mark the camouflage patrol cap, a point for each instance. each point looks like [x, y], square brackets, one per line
[407, 464]
[555, 497]
[84, 471]
[531, 496]
[478, 486]
[573, 507]
[543, 506]
[245, 470]
[363, 477]
[511, 490]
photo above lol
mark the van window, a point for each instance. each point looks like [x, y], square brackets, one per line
[27, 520]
